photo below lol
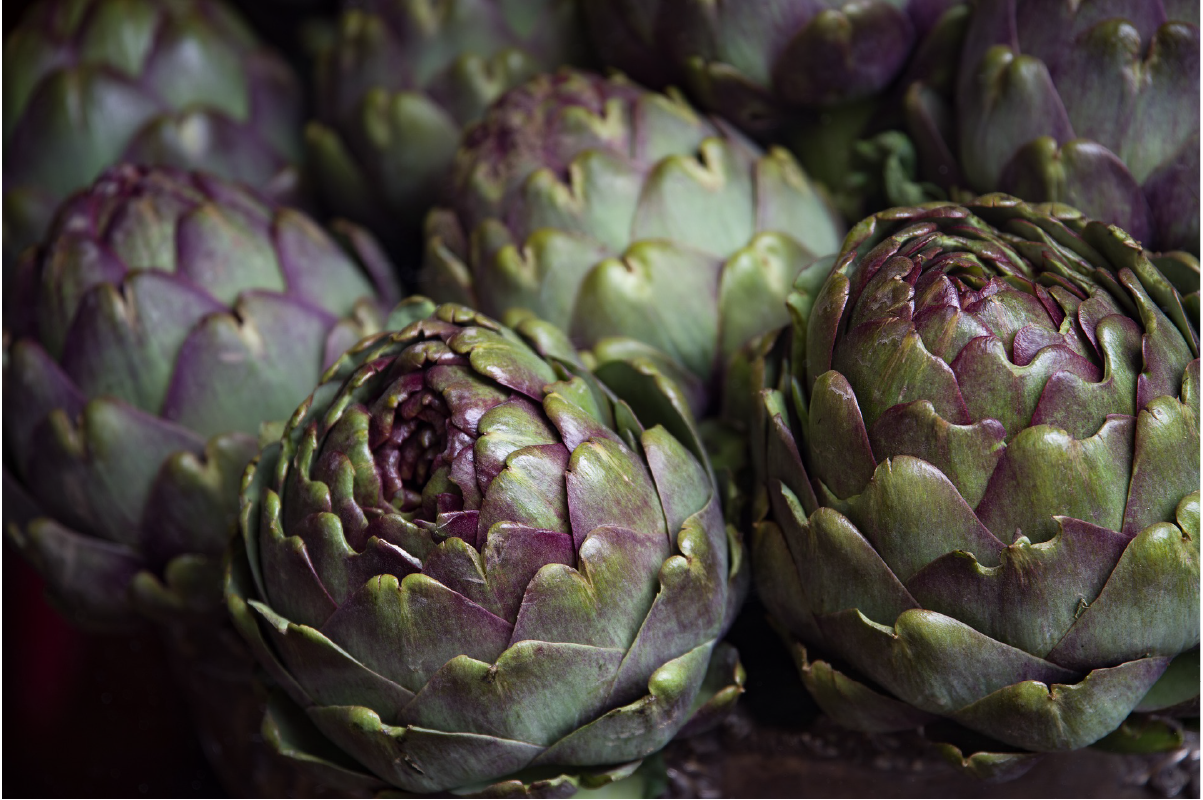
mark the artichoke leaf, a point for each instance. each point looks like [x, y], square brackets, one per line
[694, 584]
[641, 294]
[531, 490]
[399, 628]
[721, 688]
[607, 484]
[935, 662]
[514, 554]
[536, 692]
[912, 515]
[1165, 468]
[865, 581]
[1074, 402]
[87, 576]
[853, 703]
[644, 725]
[1179, 684]
[103, 465]
[604, 601]
[838, 443]
[1148, 607]
[324, 672]
[289, 732]
[1046, 472]
[1040, 716]
[1034, 595]
[416, 759]
[966, 454]
[778, 583]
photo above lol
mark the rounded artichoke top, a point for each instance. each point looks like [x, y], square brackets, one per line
[1020, 328]
[1091, 104]
[982, 466]
[184, 83]
[165, 319]
[616, 212]
[545, 125]
[159, 287]
[463, 534]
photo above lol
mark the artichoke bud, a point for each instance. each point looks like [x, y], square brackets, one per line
[998, 424]
[165, 319]
[1039, 93]
[619, 213]
[182, 84]
[464, 537]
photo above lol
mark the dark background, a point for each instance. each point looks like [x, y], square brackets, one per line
[89, 715]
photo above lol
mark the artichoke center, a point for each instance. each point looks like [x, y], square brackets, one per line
[414, 451]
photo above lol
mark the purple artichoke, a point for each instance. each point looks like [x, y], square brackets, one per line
[472, 568]
[91, 83]
[982, 461]
[1093, 104]
[165, 318]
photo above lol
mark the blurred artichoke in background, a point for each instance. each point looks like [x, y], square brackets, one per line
[1094, 104]
[982, 460]
[401, 81]
[166, 316]
[757, 62]
[819, 75]
[90, 83]
[467, 562]
[613, 211]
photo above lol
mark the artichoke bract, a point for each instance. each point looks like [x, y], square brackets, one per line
[182, 83]
[615, 212]
[1091, 104]
[166, 316]
[399, 83]
[471, 566]
[982, 461]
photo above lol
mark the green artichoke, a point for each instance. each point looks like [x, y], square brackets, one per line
[981, 456]
[167, 316]
[613, 211]
[820, 75]
[474, 569]
[401, 81]
[183, 83]
[1091, 104]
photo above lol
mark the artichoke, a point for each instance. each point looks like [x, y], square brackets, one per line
[821, 76]
[612, 211]
[184, 83]
[759, 62]
[401, 80]
[981, 455]
[167, 315]
[474, 568]
[1091, 104]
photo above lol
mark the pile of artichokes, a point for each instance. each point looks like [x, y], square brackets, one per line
[443, 437]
